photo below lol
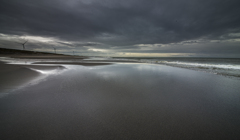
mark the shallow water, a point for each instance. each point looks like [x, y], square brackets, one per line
[229, 67]
[124, 101]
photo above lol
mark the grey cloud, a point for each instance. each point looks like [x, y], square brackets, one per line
[125, 23]
[64, 43]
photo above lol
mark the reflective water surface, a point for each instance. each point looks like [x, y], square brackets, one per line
[124, 101]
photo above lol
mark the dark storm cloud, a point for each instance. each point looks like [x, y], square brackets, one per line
[121, 22]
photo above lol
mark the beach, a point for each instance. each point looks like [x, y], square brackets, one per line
[83, 99]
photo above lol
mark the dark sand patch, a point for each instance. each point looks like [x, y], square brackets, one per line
[47, 57]
[13, 76]
[74, 63]
[27, 54]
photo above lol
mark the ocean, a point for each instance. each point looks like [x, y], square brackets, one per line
[229, 67]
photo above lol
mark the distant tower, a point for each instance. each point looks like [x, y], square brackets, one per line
[54, 50]
[24, 44]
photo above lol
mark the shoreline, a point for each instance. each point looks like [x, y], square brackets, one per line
[14, 75]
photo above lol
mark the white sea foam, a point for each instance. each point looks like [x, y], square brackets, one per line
[220, 66]
[188, 64]
[205, 65]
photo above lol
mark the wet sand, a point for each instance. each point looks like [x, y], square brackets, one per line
[75, 63]
[14, 76]
[124, 101]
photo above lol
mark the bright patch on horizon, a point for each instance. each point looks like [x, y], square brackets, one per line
[98, 50]
[158, 54]
[39, 38]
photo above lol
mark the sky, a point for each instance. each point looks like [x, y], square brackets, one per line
[123, 28]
